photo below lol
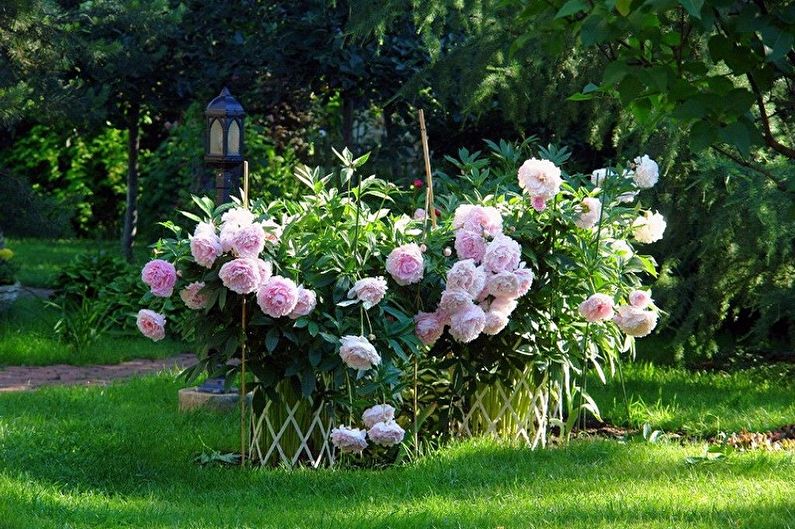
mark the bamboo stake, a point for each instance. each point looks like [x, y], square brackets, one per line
[243, 346]
[429, 207]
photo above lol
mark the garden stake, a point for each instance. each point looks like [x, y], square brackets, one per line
[429, 209]
[243, 346]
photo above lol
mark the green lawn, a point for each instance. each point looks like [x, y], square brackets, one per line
[27, 338]
[121, 456]
[701, 403]
[40, 260]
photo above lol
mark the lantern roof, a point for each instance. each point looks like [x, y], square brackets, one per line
[225, 105]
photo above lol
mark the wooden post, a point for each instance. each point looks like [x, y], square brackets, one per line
[429, 207]
[243, 316]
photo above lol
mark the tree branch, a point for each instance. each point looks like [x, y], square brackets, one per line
[770, 140]
[739, 161]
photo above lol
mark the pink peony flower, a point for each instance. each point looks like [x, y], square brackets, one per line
[151, 324]
[467, 324]
[231, 222]
[160, 276]
[483, 220]
[466, 276]
[248, 241]
[241, 275]
[358, 353]
[502, 255]
[429, 326]
[540, 178]
[378, 413]
[387, 433]
[405, 264]
[419, 214]
[349, 440]
[640, 298]
[204, 228]
[193, 297]
[590, 210]
[525, 277]
[503, 285]
[277, 296]
[539, 203]
[635, 321]
[461, 215]
[265, 269]
[370, 291]
[454, 300]
[470, 245]
[495, 322]
[307, 301]
[598, 307]
[205, 246]
[503, 305]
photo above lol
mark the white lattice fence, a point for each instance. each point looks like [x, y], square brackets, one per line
[516, 410]
[292, 432]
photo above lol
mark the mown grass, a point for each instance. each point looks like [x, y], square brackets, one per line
[27, 338]
[41, 260]
[121, 456]
[699, 403]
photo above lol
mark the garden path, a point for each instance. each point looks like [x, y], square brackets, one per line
[23, 378]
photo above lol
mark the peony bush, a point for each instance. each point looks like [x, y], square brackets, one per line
[353, 299]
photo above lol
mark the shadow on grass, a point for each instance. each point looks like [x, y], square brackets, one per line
[122, 455]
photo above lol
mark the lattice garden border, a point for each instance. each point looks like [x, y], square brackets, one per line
[292, 441]
[294, 433]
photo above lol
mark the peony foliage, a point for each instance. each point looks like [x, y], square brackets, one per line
[530, 272]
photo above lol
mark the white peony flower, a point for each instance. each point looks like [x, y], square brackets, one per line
[590, 210]
[540, 178]
[378, 413]
[349, 440]
[357, 352]
[388, 433]
[635, 321]
[647, 172]
[648, 227]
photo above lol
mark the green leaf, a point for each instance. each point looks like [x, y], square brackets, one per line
[594, 30]
[272, 339]
[738, 135]
[622, 6]
[702, 135]
[571, 7]
[693, 7]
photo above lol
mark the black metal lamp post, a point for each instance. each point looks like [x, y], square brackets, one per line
[223, 153]
[223, 144]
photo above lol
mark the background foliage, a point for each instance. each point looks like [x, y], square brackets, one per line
[703, 86]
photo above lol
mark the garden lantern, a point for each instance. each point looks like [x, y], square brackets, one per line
[223, 144]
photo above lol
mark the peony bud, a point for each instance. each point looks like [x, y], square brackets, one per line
[423, 248]
[448, 252]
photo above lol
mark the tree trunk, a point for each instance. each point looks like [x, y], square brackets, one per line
[347, 122]
[131, 210]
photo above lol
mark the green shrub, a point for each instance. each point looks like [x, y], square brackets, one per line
[28, 213]
[729, 269]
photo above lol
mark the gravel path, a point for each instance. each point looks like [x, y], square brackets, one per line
[23, 378]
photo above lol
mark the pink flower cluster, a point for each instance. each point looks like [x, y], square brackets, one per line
[246, 273]
[482, 287]
[381, 428]
[633, 319]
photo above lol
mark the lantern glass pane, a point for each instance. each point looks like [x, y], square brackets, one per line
[216, 138]
[233, 139]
